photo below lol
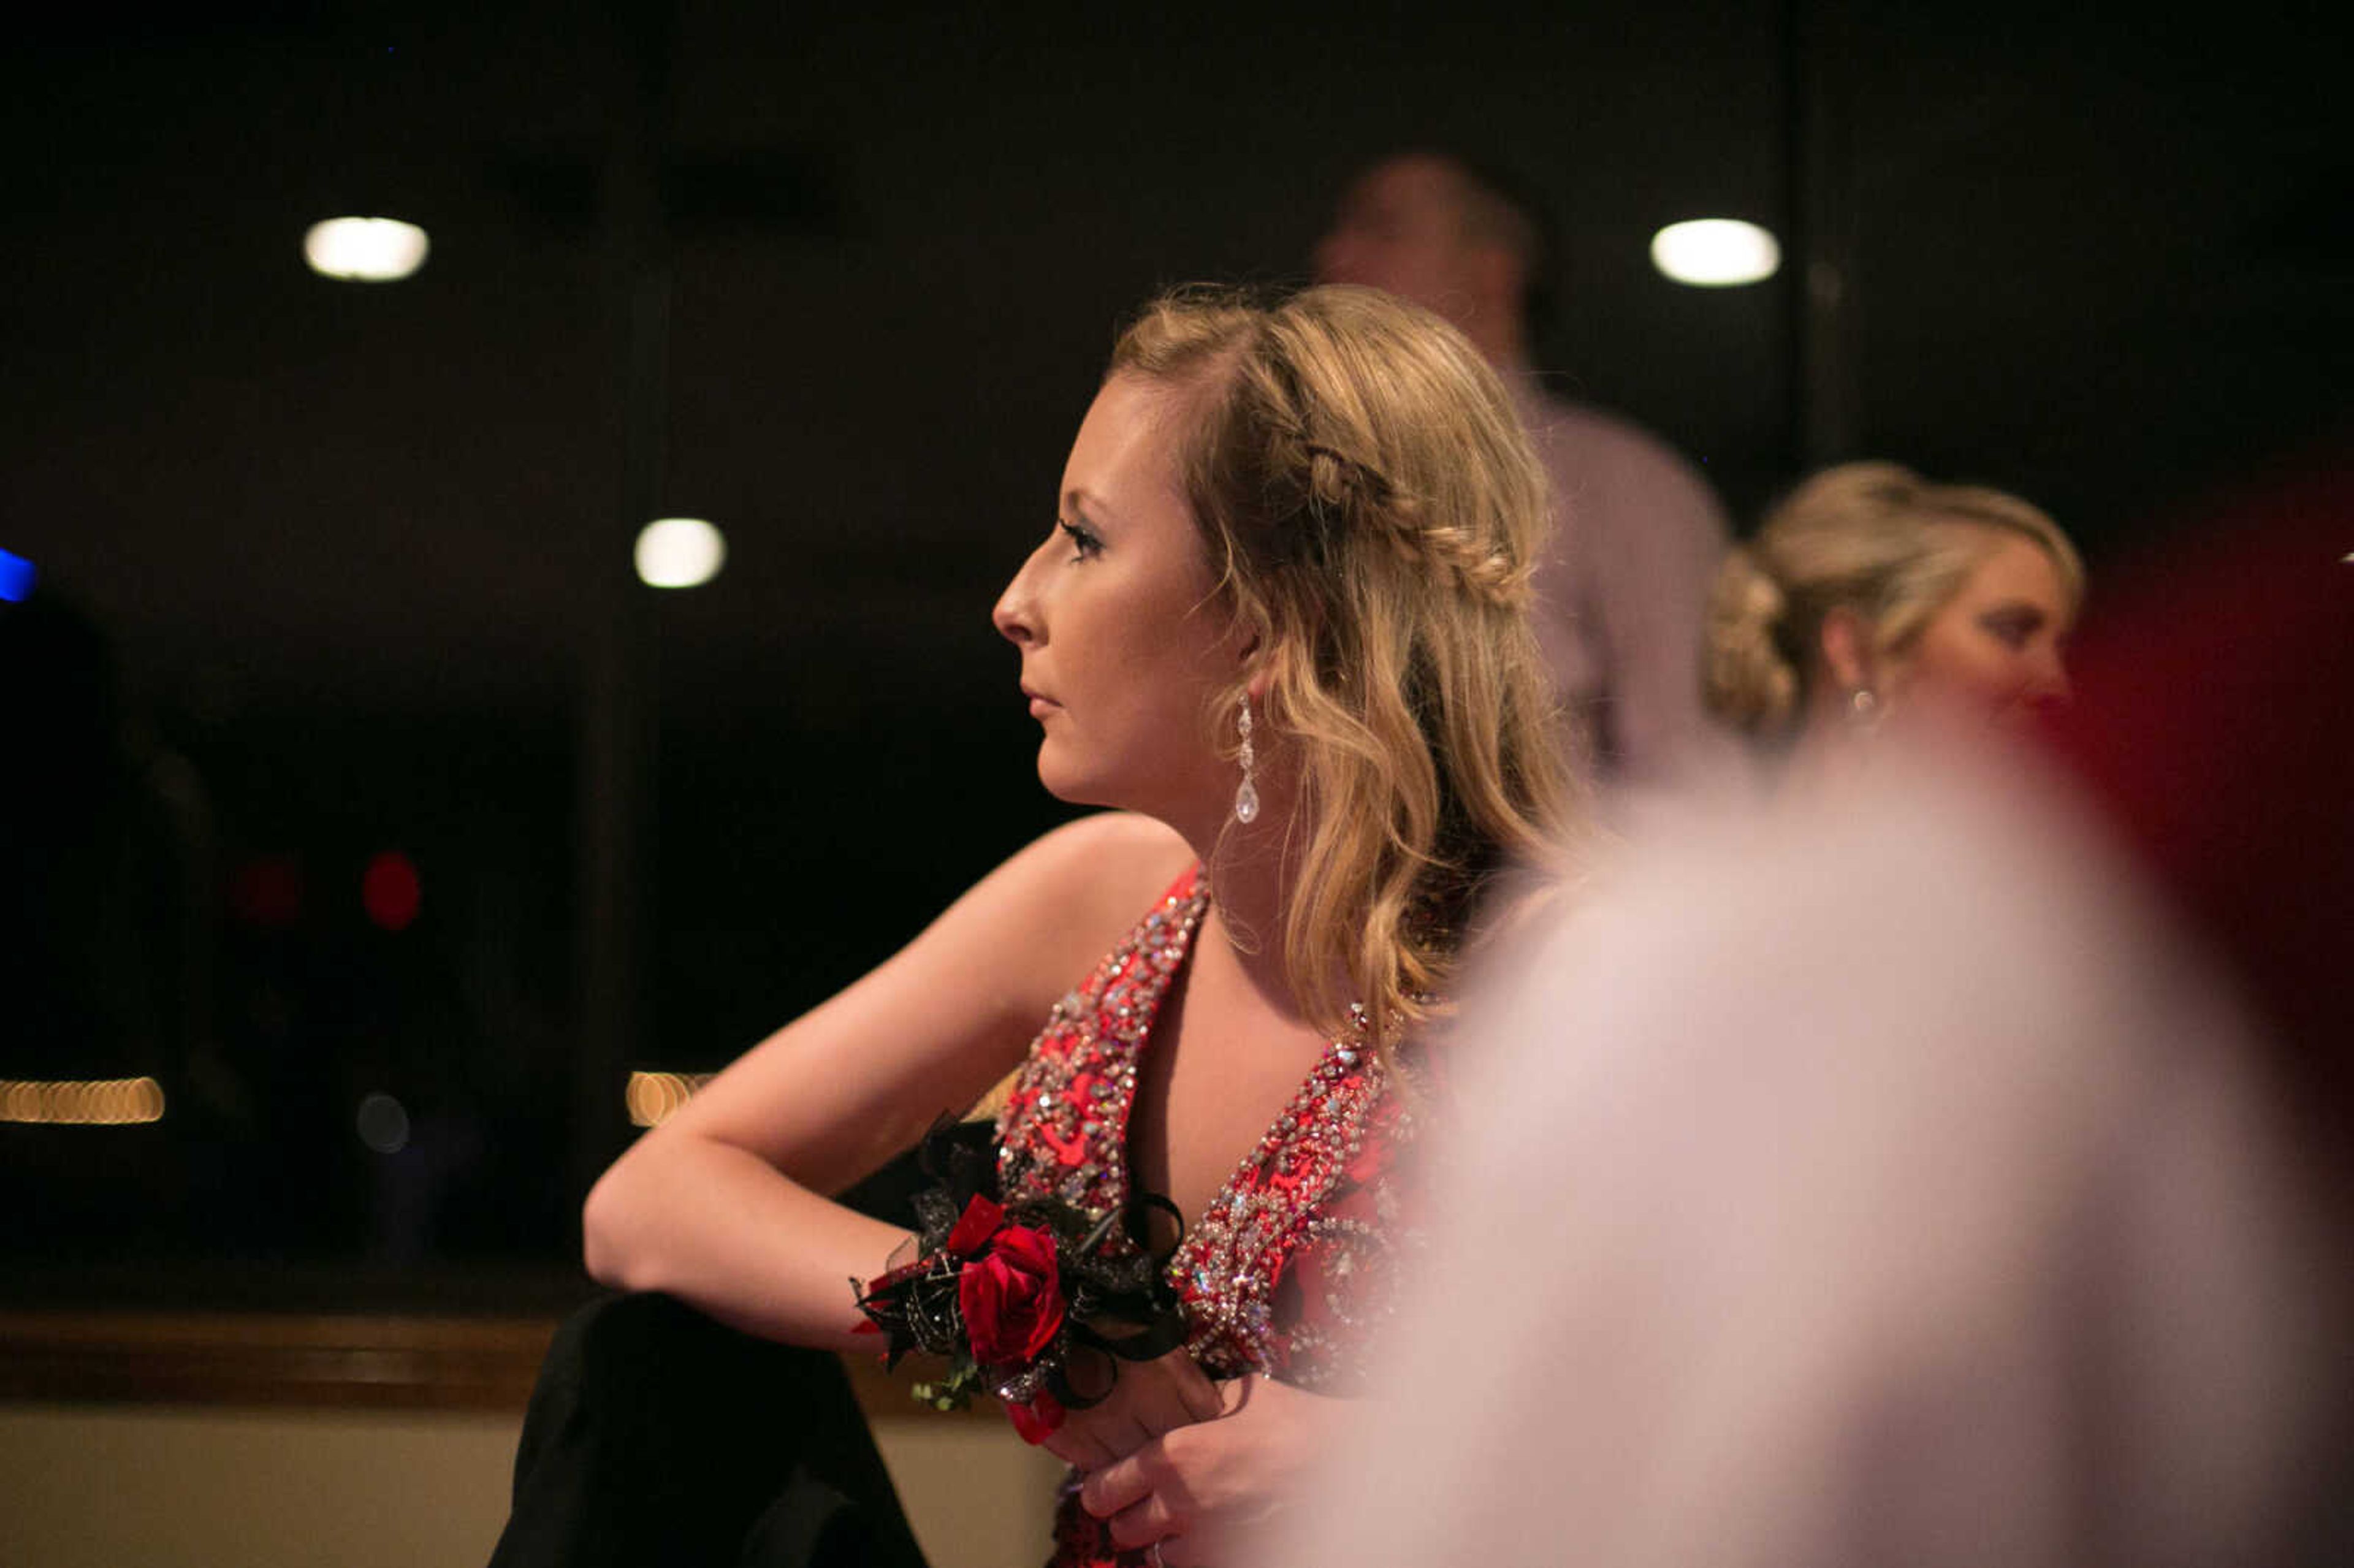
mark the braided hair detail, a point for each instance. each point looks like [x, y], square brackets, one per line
[1344, 491]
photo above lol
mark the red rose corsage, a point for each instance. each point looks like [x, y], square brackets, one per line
[1035, 1302]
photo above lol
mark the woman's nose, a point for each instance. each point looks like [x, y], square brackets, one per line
[2047, 684]
[1016, 614]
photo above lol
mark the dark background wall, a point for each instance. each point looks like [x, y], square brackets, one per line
[347, 554]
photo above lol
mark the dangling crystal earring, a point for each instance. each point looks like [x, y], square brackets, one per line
[1247, 798]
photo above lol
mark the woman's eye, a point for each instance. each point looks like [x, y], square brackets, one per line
[2014, 630]
[1084, 542]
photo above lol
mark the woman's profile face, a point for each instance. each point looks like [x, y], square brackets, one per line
[1121, 643]
[1994, 649]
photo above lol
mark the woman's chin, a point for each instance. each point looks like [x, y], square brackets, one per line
[1067, 785]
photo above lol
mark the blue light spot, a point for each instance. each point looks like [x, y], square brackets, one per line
[16, 577]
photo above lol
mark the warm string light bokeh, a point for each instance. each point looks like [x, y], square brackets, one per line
[654, 1097]
[82, 1102]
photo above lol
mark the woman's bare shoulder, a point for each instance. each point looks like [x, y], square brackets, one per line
[1096, 876]
[1040, 923]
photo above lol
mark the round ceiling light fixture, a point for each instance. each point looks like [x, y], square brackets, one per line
[364, 249]
[680, 552]
[1716, 253]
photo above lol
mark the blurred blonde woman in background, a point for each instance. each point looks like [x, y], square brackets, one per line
[1873, 596]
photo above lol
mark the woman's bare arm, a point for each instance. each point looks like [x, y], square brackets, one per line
[725, 1204]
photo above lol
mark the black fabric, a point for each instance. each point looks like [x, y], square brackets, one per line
[658, 1436]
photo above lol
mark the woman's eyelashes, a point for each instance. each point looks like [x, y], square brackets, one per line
[1085, 543]
[2015, 627]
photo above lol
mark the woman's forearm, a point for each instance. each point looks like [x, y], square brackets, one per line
[719, 1228]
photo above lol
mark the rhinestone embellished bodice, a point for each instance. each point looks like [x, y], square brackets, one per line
[1294, 1257]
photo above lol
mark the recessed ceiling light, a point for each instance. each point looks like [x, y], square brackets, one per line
[1715, 252]
[364, 249]
[680, 552]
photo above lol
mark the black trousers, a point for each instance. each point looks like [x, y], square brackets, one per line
[658, 1436]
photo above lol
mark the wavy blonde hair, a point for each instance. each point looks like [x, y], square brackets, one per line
[1374, 514]
[1873, 539]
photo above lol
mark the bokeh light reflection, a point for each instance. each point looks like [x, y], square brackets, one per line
[680, 552]
[391, 892]
[1716, 253]
[82, 1102]
[654, 1097]
[364, 249]
[383, 1123]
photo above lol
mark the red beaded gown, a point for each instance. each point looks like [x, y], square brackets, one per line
[1297, 1256]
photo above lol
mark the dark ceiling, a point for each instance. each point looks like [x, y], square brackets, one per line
[2102, 260]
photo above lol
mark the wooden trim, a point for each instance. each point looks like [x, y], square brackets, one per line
[272, 1359]
[281, 1359]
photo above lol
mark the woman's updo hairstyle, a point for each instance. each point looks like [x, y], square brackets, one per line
[1374, 514]
[1870, 538]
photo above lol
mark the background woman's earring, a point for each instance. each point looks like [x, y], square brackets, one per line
[1247, 798]
[1862, 708]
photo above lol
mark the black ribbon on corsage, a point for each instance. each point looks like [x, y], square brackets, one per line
[1023, 1299]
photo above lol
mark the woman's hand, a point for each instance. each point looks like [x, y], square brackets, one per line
[1197, 1489]
[1151, 1400]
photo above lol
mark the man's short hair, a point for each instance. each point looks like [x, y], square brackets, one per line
[1502, 206]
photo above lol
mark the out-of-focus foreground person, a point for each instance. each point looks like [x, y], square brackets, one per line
[1637, 532]
[1871, 592]
[1945, 1171]
[1278, 621]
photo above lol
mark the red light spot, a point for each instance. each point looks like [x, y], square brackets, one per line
[267, 891]
[390, 891]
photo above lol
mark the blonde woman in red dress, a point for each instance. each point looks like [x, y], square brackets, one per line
[1277, 624]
